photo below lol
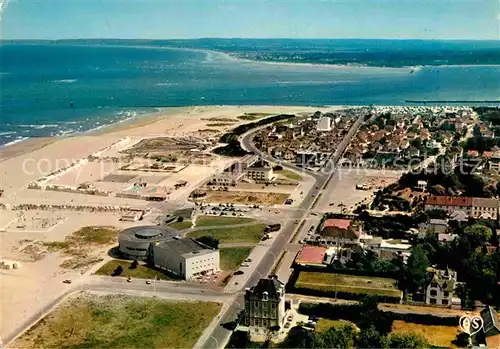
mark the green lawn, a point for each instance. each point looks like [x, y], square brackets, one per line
[289, 174]
[232, 257]
[250, 234]
[113, 321]
[325, 324]
[141, 272]
[206, 221]
[348, 283]
[185, 224]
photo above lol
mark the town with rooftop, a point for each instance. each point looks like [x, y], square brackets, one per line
[237, 227]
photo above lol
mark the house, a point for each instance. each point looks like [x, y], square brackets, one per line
[449, 204]
[440, 290]
[491, 327]
[411, 152]
[494, 162]
[265, 305]
[436, 226]
[260, 172]
[340, 232]
[444, 238]
[311, 255]
[421, 185]
[389, 249]
[324, 124]
[485, 208]
[228, 178]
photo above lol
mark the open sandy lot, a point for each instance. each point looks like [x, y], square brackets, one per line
[342, 188]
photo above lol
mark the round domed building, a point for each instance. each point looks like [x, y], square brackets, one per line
[134, 242]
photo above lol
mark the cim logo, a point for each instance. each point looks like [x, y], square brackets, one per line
[471, 325]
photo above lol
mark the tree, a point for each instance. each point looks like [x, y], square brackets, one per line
[462, 340]
[417, 265]
[134, 264]
[299, 337]
[342, 337]
[370, 338]
[209, 241]
[409, 340]
[117, 271]
[477, 234]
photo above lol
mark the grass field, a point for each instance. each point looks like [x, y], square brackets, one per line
[232, 257]
[205, 221]
[120, 322]
[244, 197]
[185, 224]
[80, 245]
[289, 174]
[141, 272]
[325, 324]
[348, 283]
[441, 336]
[250, 234]
[253, 116]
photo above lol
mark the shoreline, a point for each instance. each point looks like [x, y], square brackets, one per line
[32, 144]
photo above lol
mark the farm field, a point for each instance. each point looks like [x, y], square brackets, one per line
[111, 321]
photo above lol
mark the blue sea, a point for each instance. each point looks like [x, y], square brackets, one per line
[50, 89]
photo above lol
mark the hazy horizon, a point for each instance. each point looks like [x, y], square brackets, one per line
[260, 19]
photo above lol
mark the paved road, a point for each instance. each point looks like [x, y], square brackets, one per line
[220, 335]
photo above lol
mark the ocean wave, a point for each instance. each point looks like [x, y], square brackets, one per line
[7, 133]
[18, 140]
[314, 82]
[37, 127]
[65, 81]
[166, 84]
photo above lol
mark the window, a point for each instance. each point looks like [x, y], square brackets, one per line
[433, 300]
[444, 302]
[446, 293]
[433, 293]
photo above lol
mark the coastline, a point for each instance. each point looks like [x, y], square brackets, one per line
[133, 125]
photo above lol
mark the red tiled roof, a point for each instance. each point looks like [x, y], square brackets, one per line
[311, 255]
[448, 201]
[337, 223]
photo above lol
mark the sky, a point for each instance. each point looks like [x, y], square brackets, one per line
[168, 19]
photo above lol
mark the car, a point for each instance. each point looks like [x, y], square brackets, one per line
[244, 265]
[290, 317]
[67, 281]
[129, 279]
[248, 260]
[287, 325]
[148, 282]
[239, 272]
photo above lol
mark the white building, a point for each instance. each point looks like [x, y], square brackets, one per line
[260, 172]
[441, 288]
[185, 257]
[324, 124]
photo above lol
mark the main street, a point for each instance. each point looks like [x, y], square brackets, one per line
[220, 335]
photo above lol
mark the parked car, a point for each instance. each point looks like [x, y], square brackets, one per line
[148, 282]
[129, 279]
[67, 281]
[238, 272]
